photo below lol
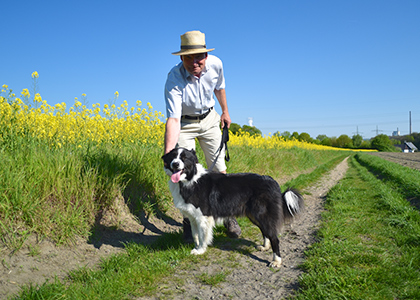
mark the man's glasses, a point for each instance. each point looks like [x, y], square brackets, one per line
[195, 57]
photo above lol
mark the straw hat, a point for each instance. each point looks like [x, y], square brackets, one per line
[192, 42]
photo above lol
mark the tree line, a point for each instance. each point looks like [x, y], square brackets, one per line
[381, 142]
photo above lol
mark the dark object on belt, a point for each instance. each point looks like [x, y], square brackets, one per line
[198, 117]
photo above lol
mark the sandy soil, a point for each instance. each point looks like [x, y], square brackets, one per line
[248, 275]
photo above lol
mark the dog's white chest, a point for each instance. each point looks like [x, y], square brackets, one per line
[187, 209]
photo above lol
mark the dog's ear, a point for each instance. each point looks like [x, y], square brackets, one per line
[194, 155]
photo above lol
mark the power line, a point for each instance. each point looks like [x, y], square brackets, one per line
[357, 131]
[377, 130]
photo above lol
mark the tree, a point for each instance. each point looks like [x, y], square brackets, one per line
[416, 137]
[305, 137]
[286, 135]
[277, 134]
[321, 137]
[326, 142]
[382, 142]
[234, 128]
[252, 130]
[344, 141]
[365, 145]
[357, 140]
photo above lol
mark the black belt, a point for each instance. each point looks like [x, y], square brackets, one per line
[198, 117]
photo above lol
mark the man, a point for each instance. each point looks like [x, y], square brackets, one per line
[190, 110]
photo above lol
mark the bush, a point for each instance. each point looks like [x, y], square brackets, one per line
[382, 143]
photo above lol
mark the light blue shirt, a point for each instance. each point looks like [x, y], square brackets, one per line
[186, 94]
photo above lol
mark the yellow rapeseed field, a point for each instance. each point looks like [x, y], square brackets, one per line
[267, 142]
[79, 124]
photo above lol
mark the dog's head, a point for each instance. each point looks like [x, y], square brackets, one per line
[180, 164]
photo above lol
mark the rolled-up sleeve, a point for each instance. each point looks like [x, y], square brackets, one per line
[221, 79]
[173, 96]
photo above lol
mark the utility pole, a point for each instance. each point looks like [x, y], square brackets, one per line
[410, 122]
[377, 130]
[357, 131]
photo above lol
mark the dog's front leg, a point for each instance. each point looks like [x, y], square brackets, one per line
[202, 230]
[194, 232]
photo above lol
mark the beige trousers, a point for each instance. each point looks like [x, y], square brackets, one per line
[208, 134]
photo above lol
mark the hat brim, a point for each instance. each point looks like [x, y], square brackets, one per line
[192, 51]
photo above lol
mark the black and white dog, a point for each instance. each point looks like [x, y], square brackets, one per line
[206, 197]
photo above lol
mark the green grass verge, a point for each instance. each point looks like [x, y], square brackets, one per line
[369, 244]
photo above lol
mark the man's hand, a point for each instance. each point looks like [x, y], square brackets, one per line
[225, 120]
[221, 97]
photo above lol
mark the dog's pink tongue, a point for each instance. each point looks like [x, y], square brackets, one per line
[176, 177]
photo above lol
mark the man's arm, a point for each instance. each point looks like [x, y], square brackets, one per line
[221, 97]
[173, 128]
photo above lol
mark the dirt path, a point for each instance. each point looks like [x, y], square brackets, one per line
[248, 276]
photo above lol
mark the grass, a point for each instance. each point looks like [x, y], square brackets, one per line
[131, 173]
[122, 276]
[57, 193]
[215, 279]
[369, 244]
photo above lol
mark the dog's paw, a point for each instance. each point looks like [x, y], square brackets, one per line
[275, 264]
[198, 251]
[263, 248]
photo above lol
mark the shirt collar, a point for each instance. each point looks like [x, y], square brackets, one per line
[187, 75]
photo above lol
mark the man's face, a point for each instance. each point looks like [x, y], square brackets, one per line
[194, 63]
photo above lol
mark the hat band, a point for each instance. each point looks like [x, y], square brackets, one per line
[193, 47]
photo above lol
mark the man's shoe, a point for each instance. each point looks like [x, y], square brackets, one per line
[187, 235]
[233, 229]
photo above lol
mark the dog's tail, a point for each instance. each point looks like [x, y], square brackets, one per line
[292, 204]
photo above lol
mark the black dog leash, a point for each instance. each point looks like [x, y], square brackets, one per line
[225, 139]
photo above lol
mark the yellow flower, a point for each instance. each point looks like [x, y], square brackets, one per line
[37, 98]
[35, 74]
[25, 93]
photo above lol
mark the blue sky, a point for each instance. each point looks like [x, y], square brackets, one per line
[321, 67]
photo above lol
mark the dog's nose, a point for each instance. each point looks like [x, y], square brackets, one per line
[175, 165]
